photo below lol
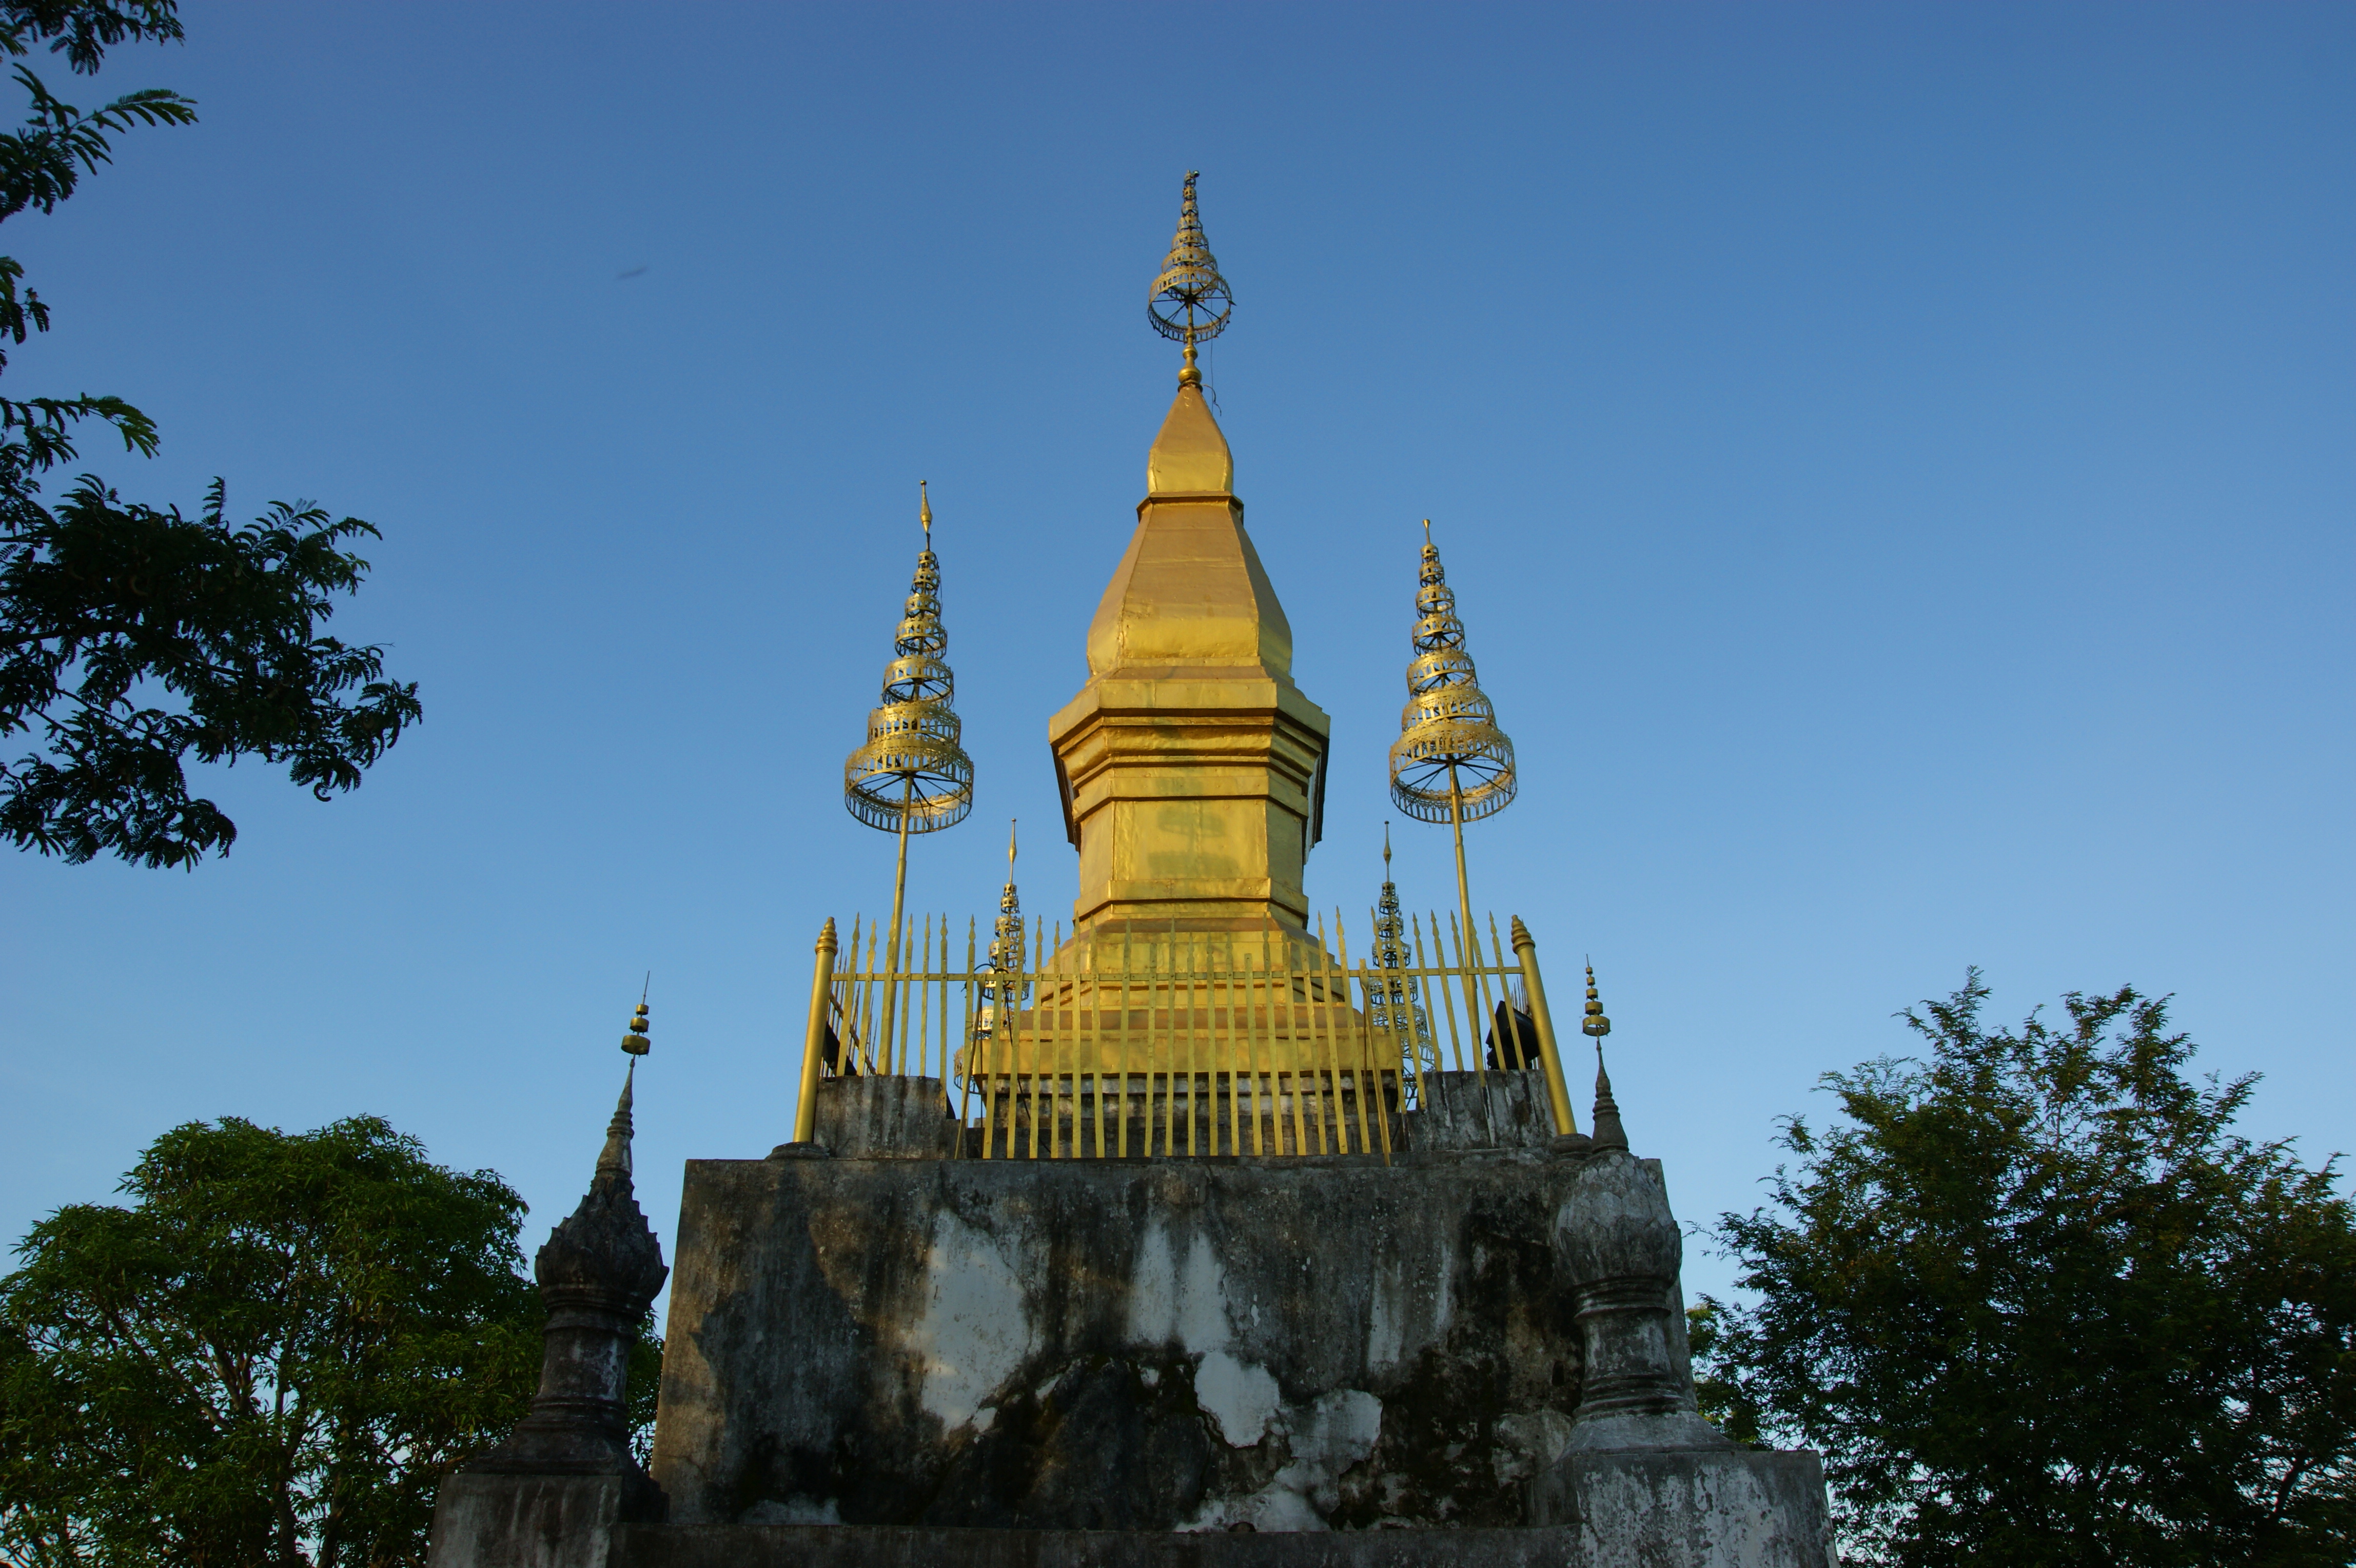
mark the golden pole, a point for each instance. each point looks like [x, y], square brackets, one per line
[899, 892]
[1464, 904]
[814, 1036]
[1558, 1091]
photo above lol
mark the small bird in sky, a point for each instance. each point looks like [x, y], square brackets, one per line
[632, 273]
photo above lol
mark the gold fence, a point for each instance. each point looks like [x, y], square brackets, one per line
[1128, 1041]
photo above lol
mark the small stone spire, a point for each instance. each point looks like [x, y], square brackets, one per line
[1608, 1133]
[598, 1272]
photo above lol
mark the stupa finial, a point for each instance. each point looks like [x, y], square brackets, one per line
[912, 776]
[1450, 763]
[1190, 302]
[634, 1041]
[1392, 1003]
[1005, 946]
[1608, 1133]
[614, 1160]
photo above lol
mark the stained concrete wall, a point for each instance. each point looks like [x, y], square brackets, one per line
[1102, 1345]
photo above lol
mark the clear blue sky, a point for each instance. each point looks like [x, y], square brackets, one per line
[1894, 461]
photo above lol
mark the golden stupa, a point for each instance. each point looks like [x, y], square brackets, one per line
[1192, 768]
[1197, 1004]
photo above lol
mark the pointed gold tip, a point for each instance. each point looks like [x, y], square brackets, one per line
[1010, 847]
[1387, 849]
[925, 508]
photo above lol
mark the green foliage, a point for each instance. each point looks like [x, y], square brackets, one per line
[273, 1355]
[2037, 1303]
[108, 602]
[106, 606]
[1724, 1403]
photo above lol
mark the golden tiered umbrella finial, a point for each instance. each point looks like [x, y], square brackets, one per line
[1450, 763]
[912, 776]
[1190, 302]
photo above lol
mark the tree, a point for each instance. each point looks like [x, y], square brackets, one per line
[2038, 1303]
[131, 638]
[273, 1355]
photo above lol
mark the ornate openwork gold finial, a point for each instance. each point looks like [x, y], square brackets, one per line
[913, 776]
[1450, 763]
[1190, 302]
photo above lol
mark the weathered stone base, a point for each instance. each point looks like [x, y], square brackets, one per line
[1671, 1508]
[1104, 1345]
[1721, 1509]
[487, 1519]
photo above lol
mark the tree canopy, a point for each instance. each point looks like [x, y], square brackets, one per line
[273, 1355]
[132, 637]
[2037, 1303]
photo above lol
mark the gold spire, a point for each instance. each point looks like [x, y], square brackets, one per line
[1450, 763]
[912, 776]
[1190, 302]
[1005, 954]
[1451, 760]
[1191, 767]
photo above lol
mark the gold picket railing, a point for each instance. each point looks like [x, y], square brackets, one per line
[1136, 1042]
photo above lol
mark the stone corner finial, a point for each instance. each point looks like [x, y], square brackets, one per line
[598, 1272]
[606, 1248]
[1608, 1133]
